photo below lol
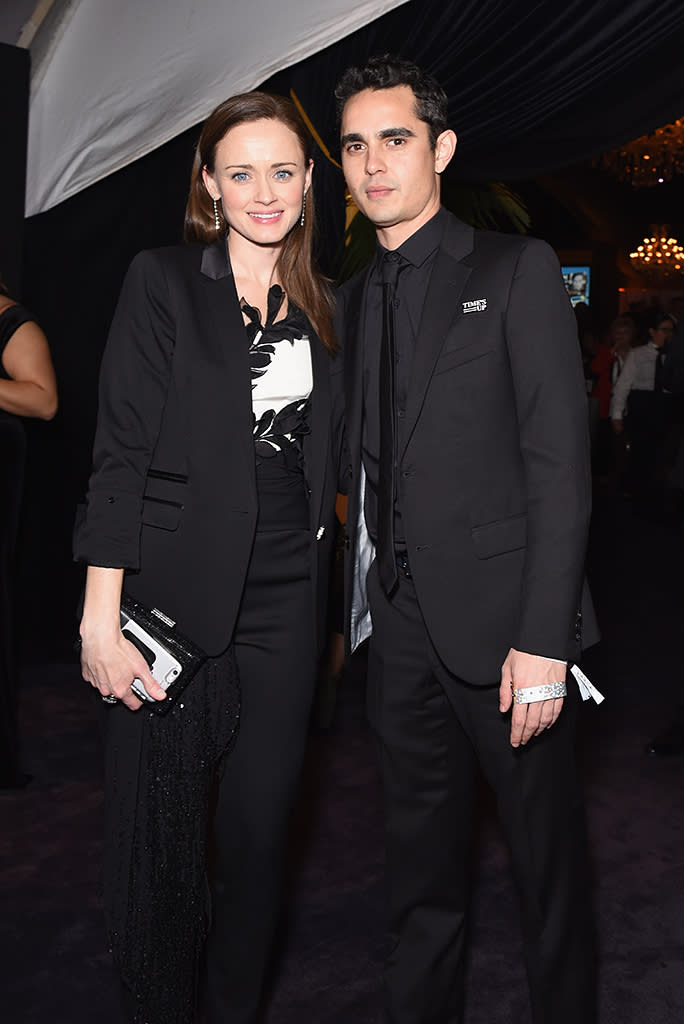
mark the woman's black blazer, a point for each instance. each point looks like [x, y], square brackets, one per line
[172, 497]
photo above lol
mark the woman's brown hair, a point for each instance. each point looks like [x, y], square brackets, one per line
[304, 284]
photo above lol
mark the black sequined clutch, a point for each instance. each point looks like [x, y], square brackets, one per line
[172, 657]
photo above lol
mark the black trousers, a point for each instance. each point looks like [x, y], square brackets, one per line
[275, 650]
[431, 729]
[255, 785]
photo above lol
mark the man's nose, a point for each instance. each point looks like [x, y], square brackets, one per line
[374, 160]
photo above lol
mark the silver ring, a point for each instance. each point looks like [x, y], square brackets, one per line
[109, 698]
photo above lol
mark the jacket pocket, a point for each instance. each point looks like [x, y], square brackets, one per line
[161, 474]
[453, 357]
[501, 536]
[165, 515]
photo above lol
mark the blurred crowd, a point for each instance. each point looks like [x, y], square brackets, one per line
[634, 373]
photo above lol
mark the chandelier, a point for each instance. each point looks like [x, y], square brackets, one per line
[650, 159]
[659, 255]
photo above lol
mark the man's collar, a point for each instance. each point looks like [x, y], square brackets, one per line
[420, 245]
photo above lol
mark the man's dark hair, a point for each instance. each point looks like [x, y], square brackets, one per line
[386, 72]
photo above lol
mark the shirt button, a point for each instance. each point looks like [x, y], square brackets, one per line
[396, 303]
[401, 413]
[392, 257]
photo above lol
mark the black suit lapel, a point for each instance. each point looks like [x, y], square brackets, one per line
[227, 347]
[354, 324]
[441, 309]
[222, 302]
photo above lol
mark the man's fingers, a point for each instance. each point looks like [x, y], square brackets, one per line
[531, 722]
[518, 718]
[532, 719]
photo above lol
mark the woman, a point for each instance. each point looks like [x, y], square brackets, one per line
[212, 498]
[27, 388]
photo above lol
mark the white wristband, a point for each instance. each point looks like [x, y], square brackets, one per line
[531, 694]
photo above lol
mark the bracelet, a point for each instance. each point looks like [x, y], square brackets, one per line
[531, 694]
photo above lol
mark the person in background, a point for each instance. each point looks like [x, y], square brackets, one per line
[28, 388]
[606, 367]
[212, 498]
[641, 407]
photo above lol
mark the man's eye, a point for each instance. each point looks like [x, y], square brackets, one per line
[354, 147]
[397, 142]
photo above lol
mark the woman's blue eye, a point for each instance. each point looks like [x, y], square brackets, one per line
[240, 176]
[283, 174]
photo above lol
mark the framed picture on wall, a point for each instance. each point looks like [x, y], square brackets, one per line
[578, 283]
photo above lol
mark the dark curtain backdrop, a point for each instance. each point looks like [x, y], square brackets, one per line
[533, 87]
[14, 102]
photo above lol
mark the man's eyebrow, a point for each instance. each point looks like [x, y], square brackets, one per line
[393, 133]
[351, 137]
[385, 133]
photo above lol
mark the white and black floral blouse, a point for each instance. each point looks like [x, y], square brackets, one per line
[282, 378]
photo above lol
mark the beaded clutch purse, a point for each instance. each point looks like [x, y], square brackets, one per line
[172, 657]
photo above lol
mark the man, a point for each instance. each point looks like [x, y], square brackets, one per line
[643, 389]
[469, 472]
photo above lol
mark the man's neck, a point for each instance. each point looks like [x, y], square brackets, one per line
[394, 235]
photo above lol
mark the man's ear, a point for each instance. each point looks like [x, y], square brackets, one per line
[445, 147]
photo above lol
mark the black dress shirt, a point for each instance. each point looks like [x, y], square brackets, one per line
[418, 253]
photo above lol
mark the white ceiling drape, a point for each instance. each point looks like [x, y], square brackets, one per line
[122, 79]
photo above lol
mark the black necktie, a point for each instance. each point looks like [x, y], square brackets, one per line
[659, 380]
[387, 565]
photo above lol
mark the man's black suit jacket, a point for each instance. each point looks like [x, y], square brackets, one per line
[172, 497]
[494, 479]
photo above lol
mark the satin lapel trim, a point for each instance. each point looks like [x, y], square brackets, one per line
[320, 424]
[215, 262]
[223, 305]
[226, 335]
[440, 311]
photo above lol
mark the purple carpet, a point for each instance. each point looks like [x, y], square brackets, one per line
[55, 966]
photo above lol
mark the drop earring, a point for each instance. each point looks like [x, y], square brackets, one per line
[301, 219]
[217, 218]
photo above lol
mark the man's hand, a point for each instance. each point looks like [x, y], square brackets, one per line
[618, 426]
[521, 670]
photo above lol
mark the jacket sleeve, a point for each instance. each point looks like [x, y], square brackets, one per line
[134, 382]
[551, 404]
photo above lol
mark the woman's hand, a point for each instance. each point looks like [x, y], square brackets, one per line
[110, 662]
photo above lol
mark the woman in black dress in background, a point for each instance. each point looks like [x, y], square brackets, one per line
[212, 498]
[27, 388]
